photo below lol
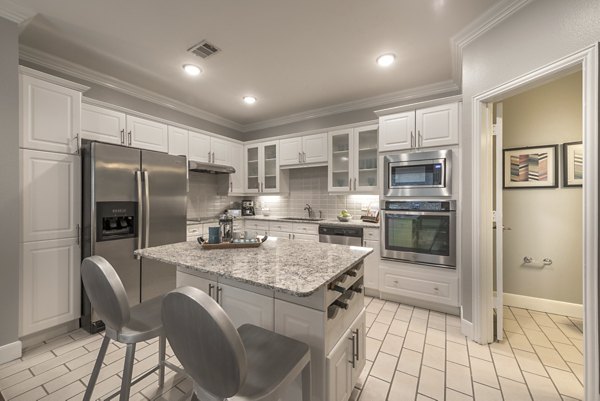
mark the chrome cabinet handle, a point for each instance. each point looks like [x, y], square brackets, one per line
[231, 186]
[355, 183]
[209, 156]
[420, 138]
[219, 297]
[412, 139]
[123, 136]
[353, 361]
[129, 135]
[299, 157]
[138, 180]
[304, 154]
[355, 332]
[210, 288]
[350, 184]
[77, 227]
[213, 157]
[147, 203]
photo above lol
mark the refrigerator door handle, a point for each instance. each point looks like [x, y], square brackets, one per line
[140, 210]
[147, 207]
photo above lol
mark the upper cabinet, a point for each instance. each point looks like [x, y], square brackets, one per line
[236, 180]
[421, 128]
[353, 160]
[178, 141]
[50, 112]
[147, 134]
[306, 150]
[262, 167]
[208, 149]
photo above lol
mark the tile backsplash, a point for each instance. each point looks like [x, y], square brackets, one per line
[204, 199]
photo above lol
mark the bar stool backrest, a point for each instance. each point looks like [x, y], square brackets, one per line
[106, 292]
[205, 341]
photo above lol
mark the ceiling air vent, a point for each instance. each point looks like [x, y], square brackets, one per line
[204, 49]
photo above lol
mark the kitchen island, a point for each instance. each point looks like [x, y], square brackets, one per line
[312, 292]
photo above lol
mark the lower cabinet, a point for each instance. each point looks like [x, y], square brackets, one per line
[51, 284]
[372, 266]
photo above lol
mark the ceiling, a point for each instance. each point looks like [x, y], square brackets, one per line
[293, 56]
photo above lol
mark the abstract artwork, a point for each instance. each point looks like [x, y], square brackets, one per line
[573, 164]
[531, 167]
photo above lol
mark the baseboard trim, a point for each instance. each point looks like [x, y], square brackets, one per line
[35, 339]
[451, 310]
[543, 305]
[466, 327]
[10, 352]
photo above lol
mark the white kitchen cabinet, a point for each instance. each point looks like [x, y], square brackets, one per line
[105, 125]
[50, 284]
[306, 150]
[147, 134]
[353, 160]
[220, 151]
[421, 128]
[339, 370]
[50, 195]
[50, 112]
[236, 180]
[178, 141]
[262, 168]
[208, 149]
[204, 284]
[372, 265]
[305, 237]
[246, 307]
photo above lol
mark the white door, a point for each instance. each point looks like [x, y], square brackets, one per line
[314, 148]
[147, 134]
[100, 124]
[51, 195]
[236, 180]
[290, 151]
[50, 116]
[437, 126]
[178, 141]
[246, 307]
[359, 330]
[51, 284]
[498, 299]
[221, 151]
[397, 131]
[199, 147]
[340, 174]
[270, 167]
[339, 369]
[365, 158]
[372, 265]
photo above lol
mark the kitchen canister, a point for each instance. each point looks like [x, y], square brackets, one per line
[214, 235]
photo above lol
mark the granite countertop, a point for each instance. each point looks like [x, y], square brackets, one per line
[336, 222]
[297, 268]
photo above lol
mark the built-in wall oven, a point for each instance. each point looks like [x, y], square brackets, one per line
[418, 174]
[419, 231]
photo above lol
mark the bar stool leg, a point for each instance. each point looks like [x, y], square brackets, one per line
[127, 372]
[306, 387]
[96, 371]
[162, 349]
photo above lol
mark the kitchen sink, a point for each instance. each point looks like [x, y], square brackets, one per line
[302, 218]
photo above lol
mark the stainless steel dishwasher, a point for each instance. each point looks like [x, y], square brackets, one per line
[332, 234]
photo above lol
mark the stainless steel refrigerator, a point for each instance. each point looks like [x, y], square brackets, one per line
[132, 199]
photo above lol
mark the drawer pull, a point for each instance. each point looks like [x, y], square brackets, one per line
[351, 273]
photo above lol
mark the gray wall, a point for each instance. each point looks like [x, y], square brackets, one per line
[112, 96]
[540, 33]
[544, 222]
[9, 182]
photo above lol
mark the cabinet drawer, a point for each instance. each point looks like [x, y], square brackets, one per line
[303, 228]
[280, 226]
[442, 290]
[261, 226]
[371, 234]
[306, 237]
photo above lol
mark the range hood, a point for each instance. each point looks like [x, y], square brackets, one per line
[210, 168]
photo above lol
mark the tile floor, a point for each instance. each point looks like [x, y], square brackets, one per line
[412, 354]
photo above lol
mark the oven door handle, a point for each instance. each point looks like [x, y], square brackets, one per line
[415, 213]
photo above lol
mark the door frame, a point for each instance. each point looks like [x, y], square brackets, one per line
[482, 170]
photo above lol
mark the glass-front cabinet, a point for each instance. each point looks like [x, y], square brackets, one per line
[353, 160]
[262, 167]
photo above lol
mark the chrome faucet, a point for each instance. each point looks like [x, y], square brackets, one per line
[309, 209]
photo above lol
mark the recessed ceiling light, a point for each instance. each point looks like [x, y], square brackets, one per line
[192, 69]
[386, 60]
[249, 99]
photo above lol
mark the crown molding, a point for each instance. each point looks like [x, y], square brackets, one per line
[439, 88]
[53, 79]
[61, 65]
[15, 12]
[477, 28]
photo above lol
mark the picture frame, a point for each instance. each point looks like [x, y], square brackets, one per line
[573, 164]
[530, 167]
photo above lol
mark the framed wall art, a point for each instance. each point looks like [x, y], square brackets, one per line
[531, 167]
[573, 164]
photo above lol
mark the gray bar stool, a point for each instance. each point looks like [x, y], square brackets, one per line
[125, 325]
[247, 364]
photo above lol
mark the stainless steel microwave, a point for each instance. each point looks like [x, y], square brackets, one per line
[418, 174]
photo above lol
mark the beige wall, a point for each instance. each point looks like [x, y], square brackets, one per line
[544, 222]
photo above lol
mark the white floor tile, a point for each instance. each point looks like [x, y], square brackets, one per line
[507, 367]
[375, 390]
[483, 372]
[431, 383]
[566, 383]
[514, 391]
[436, 337]
[377, 331]
[392, 344]
[529, 362]
[458, 377]
[479, 351]
[452, 395]
[519, 341]
[569, 353]
[372, 349]
[414, 341]
[541, 388]
[550, 357]
[485, 393]
[457, 353]
[398, 328]
[434, 357]
[410, 362]
[404, 387]
[384, 366]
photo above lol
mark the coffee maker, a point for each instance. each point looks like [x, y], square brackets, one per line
[247, 208]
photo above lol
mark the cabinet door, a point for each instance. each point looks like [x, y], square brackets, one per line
[246, 307]
[147, 134]
[221, 151]
[339, 369]
[340, 165]
[397, 131]
[51, 195]
[252, 168]
[50, 116]
[372, 265]
[206, 285]
[270, 167]
[290, 151]
[51, 284]
[199, 147]
[365, 160]
[437, 126]
[102, 124]
[359, 330]
[236, 180]
[178, 141]
[315, 148]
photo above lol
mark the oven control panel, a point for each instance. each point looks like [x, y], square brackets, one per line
[428, 206]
